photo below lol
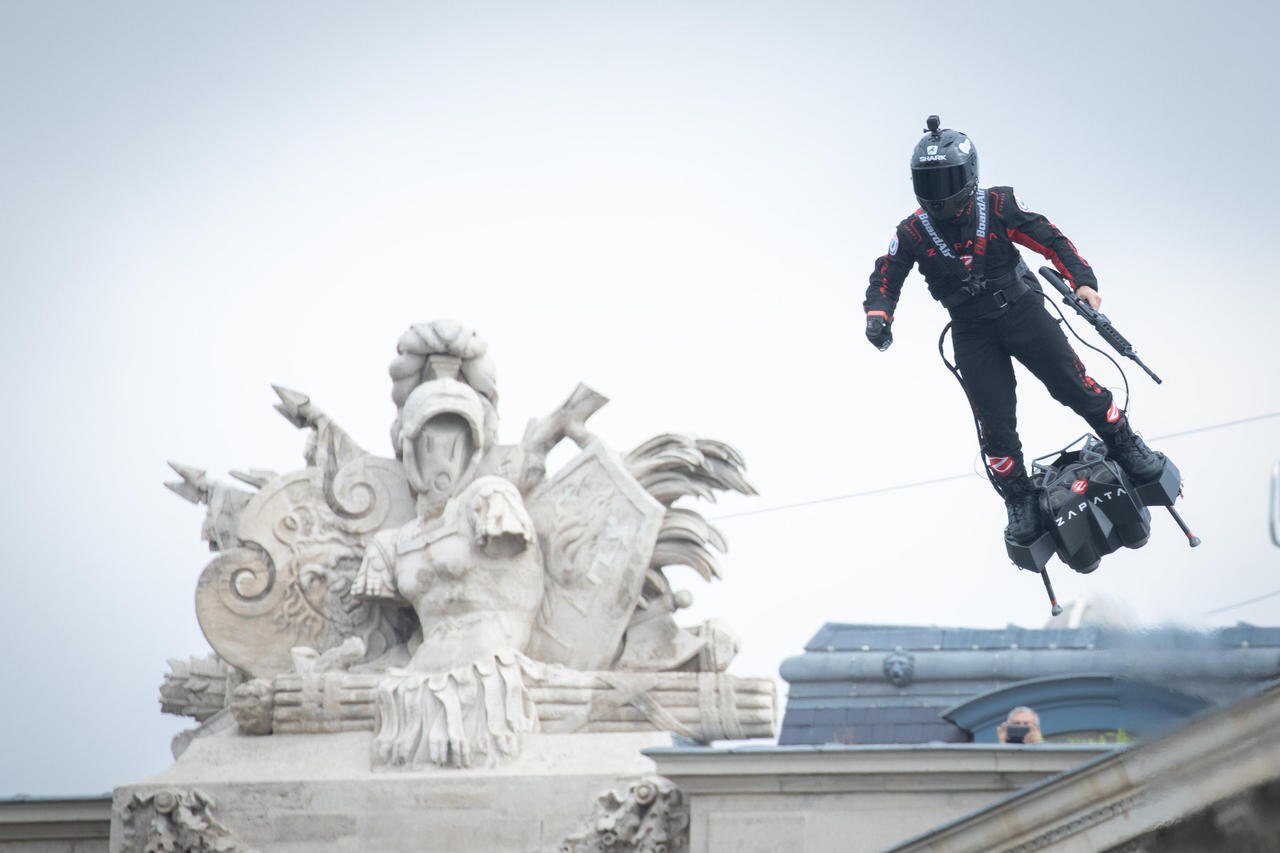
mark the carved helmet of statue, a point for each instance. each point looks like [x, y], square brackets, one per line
[444, 432]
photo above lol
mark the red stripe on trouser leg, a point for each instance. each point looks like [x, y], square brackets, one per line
[1113, 414]
[1002, 465]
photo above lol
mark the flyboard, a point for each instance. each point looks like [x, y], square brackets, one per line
[1089, 506]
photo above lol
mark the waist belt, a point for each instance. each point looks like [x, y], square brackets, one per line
[998, 293]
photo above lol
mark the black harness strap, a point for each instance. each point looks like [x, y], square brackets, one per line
[973, 274]
[978, 296]
[965, 307]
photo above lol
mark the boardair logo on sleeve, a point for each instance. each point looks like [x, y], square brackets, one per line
[1022, 205]
[893, 245]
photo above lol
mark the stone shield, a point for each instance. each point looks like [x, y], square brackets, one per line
[598, 527]
[301, 539]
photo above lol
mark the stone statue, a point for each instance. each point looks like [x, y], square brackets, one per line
[470, 567]
[455, 596]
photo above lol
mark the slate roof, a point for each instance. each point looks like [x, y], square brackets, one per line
[875, 724]
[839, 693]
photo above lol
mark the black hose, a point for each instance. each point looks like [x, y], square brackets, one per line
[977, 424]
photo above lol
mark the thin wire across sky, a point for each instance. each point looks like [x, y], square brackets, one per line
[936, 481]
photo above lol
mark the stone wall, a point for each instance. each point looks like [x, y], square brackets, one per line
[845, 799]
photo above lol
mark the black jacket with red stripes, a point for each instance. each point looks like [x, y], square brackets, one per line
[1009, 222]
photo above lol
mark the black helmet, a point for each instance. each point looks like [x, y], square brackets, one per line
[944, 171]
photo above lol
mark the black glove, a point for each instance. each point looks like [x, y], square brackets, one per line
[879, 331]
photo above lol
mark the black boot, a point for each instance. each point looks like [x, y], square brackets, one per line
[1138, 461]
[1023, 505]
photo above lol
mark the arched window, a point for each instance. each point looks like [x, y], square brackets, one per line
[1082, 708]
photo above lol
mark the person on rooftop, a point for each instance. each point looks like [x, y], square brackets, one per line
[1021, 726]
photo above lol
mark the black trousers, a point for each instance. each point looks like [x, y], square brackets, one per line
[1026, 331]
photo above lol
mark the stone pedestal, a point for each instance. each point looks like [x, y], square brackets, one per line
[458, 606]
[296, 793]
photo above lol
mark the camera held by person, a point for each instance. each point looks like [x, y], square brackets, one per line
[1021, 726]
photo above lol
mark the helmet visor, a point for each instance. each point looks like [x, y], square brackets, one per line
[939, 183]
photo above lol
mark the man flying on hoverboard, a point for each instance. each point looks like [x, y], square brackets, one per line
[963, 237]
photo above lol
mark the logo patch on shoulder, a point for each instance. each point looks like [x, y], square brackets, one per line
[893, 245]
[1022, 205]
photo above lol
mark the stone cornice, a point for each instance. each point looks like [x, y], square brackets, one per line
[835, 768]
[50, 819]
[1018, 664]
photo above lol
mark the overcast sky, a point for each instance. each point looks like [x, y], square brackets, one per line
[677, 203]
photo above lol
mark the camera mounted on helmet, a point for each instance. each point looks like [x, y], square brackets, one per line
[944, 170]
